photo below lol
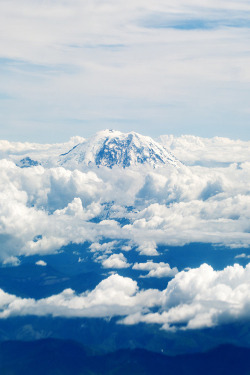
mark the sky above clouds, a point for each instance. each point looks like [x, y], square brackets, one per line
[156, 67]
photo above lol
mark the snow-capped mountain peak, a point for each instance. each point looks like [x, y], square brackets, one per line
[111, 147]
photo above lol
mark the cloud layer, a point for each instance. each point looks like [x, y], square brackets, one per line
[46, 207]
[193, 299]
[202, 297]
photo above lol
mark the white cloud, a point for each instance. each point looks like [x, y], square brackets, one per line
[200, 298]
[193, 299]
[148, 248]
[114, 296]
[115, 261]
[207, 151]
[39, 152]
[105, 247]
[41, 263]
[126, 247]
[43, 209]
[13, 261]
[243, 256]
[160, 269]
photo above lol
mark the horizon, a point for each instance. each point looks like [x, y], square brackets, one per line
[92, 134]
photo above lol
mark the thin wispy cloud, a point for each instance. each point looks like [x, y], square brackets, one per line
[176, 68]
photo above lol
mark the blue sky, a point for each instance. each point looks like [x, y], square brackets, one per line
[156, 67]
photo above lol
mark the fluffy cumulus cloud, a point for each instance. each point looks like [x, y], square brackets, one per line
[160, 269]
[216, 151]
[41, 263]
[105, 247]
[193, 299]
[46, 207]
[147, 248]
[115, 261]
[40, 207]
[200, 298]
[114, 296]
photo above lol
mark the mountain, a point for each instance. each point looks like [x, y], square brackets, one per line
[26, 155]
[27, 162]
[64, 357]
[110, 148]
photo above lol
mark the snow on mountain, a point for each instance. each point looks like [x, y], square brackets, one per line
[32, 154]
[110, 148]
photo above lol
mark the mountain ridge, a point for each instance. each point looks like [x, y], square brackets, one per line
[66, 357]
[111, 147]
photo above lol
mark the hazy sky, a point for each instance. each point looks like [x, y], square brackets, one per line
[73, 67]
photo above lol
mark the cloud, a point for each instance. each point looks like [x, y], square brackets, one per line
[160, 269]
[114, 296]
[105, 247]
[43, 209]
[222, 221]
[194, 299]
[65, 185]
[147, 248]
[115, 261]
[216, 151]
[200, 298]
[242, 256]
[38, 151]
[41, 263]
[13, 261]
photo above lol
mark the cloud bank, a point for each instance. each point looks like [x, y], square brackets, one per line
[216, 151]
[193, 299]
[200, 298]
[46, 207]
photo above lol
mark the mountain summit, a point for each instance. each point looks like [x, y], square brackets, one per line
[110, 148]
